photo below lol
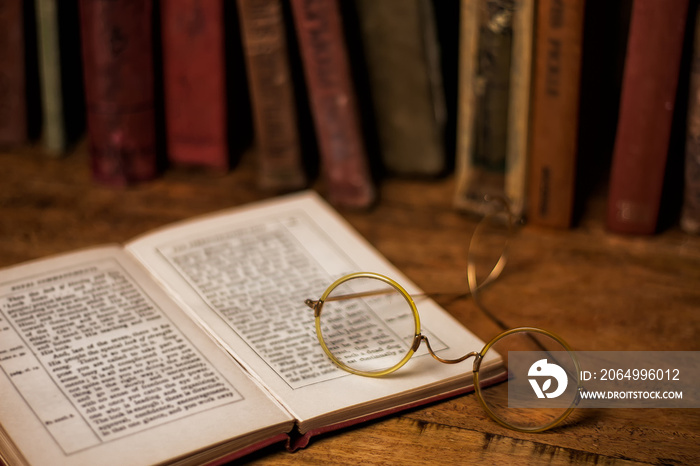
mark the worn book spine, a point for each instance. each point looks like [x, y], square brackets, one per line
[482, 109]
[13, 103]
[194, 83]
[555, 112]
[650, 81]
[119, 91]
[401, 48]
[274, 108]
[333, 102]
[494, 90]
[690, 213]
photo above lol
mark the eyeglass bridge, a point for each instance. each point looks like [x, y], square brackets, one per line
[422, 337]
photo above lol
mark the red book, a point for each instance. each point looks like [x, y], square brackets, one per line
[13, 108]
[117, 42]
[333, 102]
[195, 83]
[649, 85]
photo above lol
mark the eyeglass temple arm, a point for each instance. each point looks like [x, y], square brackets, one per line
[364, 294]
[315, 304]
[361, 294]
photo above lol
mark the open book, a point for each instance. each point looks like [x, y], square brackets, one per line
[193, 344]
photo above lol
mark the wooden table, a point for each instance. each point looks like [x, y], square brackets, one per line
[598, 290]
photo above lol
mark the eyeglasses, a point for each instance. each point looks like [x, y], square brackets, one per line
[369, 325]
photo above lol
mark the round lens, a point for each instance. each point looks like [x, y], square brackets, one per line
[487, 253]
[539, 387]
[367, 324]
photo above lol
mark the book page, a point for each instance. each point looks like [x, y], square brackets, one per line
[97, 363]
[246, 273]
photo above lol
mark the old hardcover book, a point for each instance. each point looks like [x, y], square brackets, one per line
[13, 103]
[649, 85]
[274, 107]
[494, 102]
[194, 80]
[401, 48]
[60, 74]
[117, 45]
[690, 213]
[555, 112]
[192, 344]
[333, 102]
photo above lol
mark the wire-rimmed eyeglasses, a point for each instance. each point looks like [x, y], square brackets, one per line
[369, 325]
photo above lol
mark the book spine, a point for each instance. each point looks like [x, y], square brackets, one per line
[400, 45]
[194, 83]
[555, 111]
[649, 85]
[517, 153]
[118, 67]
[333, 102]
[13, 104]
[53, 131]
[470, 179]
[280, 165]
[494, 89]
[690, 213]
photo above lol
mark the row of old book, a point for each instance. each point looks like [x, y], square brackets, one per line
[184, 81]
[597, 88]
[525, 99]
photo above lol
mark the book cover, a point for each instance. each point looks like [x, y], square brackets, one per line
[333, 102]
[690, 213]
[401, 49]
[13, 104]
[194, 83]
[273, 100]
[119, 89]
[494, 102]
[650, 82]
[555, 112]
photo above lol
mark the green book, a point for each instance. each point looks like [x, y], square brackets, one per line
[403, 65]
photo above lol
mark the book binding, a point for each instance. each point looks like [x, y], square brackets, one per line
[280, 164]
[119, 89]
[194, 83]
[555, 112]
[333, 102]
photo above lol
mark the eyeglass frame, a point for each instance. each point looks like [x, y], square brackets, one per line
[418, 337]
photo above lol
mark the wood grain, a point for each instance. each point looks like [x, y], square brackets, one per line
[598, 290]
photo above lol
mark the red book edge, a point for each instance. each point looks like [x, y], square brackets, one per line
[294, 441]
[194, 83]
[13, 105]
[119, 99]
[654, 49]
